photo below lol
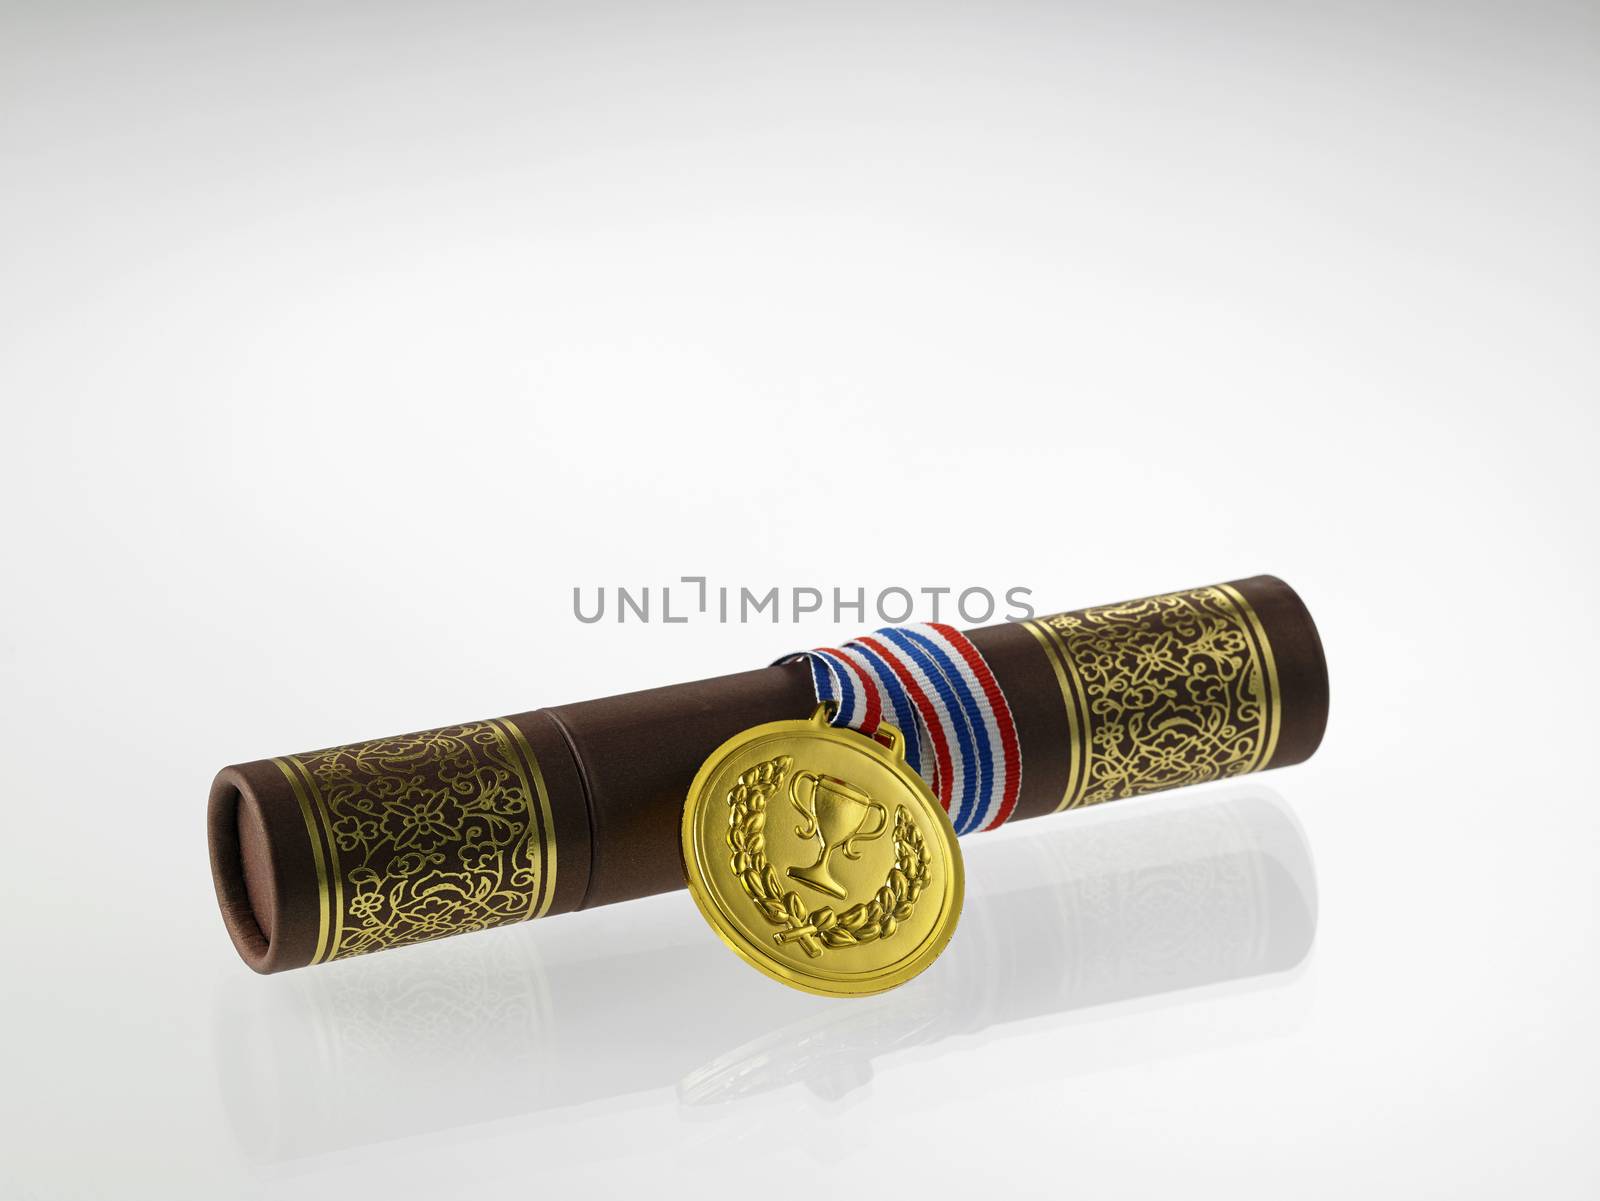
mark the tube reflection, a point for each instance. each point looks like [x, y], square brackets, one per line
[1134, 901]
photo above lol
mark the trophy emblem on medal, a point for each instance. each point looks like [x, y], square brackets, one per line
[837, 814]
[904, 907]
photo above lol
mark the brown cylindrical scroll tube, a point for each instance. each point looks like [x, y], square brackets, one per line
[333, 853]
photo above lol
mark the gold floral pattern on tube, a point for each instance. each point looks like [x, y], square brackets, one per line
[1161, 692]
[425, 835]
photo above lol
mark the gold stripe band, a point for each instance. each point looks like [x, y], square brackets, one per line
[1076, 706]
[541, 822]
[1274, 715]
[334, 871]
[314, 833]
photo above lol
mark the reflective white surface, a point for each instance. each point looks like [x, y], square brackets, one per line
[1217, 895]
[340, 342]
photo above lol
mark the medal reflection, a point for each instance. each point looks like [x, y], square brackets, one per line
[837, 813]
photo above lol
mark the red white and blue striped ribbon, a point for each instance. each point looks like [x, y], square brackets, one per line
[930, 682]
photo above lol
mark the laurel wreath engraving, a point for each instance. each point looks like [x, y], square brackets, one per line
[871, 920]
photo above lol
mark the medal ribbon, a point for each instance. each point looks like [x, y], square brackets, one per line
[930, 682]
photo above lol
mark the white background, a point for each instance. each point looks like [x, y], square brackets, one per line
[341, 341]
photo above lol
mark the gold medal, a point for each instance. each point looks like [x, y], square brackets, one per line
[821, 857]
